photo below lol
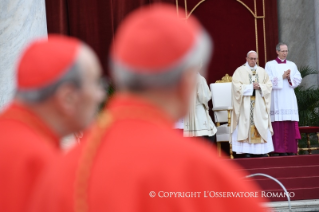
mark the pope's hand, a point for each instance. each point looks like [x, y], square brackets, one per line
[256, 86]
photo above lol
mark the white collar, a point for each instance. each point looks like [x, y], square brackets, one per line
[255, 67]
[281, 60]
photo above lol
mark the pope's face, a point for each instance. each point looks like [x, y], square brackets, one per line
[91, 93]
[252, 59]
[283, 53]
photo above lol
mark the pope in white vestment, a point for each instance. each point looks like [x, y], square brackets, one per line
[285, 77]
[198, 121]
[251, 130]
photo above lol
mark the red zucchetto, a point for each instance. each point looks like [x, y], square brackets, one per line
[154, 38]
[46, 60]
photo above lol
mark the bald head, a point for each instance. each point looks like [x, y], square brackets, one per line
[86, 99]
[252, 58]
[88, 60]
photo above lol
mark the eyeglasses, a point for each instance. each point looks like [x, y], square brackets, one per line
[251, 58]
[286, 51]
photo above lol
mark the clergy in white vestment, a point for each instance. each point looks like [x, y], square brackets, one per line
[285, 77]
[251, 130]
[198, 121]
[179, 125]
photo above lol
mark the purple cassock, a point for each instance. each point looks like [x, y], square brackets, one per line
[286, 135]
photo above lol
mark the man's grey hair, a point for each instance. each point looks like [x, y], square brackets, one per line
[280, 44]
[131, 78]
[72, 76]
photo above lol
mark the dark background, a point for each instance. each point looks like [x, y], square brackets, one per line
[230, 24]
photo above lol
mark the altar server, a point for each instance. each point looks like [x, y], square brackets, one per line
[198, 121]
[285, 77]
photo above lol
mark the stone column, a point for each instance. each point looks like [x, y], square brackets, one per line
[296, 22]
[20, 22]
[316, 6]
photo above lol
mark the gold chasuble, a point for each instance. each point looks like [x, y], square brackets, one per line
[254, 135]
[251, 112]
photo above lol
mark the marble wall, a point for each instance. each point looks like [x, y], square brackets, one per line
[20, 22]
[316, 6]
[296, 21]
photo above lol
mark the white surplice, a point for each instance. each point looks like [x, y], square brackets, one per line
[198, 121]
[241, 147]
[179, 124]
[284, 105]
